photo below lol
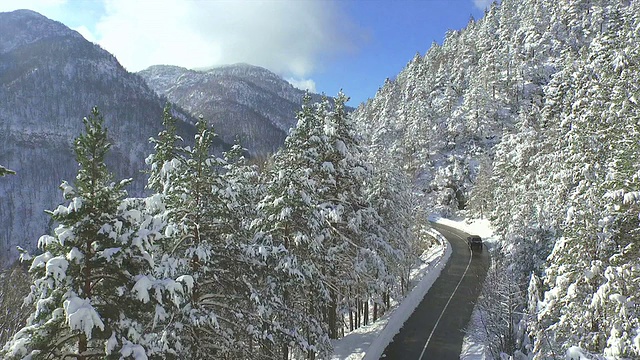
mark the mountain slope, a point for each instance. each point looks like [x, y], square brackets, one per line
[530, 115]
[50, 78]
[241, 101]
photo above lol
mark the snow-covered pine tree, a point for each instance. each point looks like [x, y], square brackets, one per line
[165, 150]
[91, 282]
[320, 232]
[204, 249]
[353, 242]
[390, 193]
[591, 267]
[237, 211]
[481, 195]
[288, 232]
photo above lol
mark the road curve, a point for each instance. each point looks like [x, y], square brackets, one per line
[436, 328]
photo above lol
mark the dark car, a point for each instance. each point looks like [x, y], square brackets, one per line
[474, 241]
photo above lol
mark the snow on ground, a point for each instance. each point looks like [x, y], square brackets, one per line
[480, 227]
[472, 346]
[369, 342]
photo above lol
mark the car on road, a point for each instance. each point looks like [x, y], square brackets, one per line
[474, 241]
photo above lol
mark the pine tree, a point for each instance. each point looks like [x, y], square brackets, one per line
[481, 194]
[4, 171]
[207, 242]
[354, 245]
[166, 150]
[288, 230]
[91, 283]
[587, 275]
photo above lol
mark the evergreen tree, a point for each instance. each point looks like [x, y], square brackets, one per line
[481, 195]
[91, 283]
[166, 150]
[354, 246]
[4, 171]
[288, 230]
[206, 248]
[321, 232]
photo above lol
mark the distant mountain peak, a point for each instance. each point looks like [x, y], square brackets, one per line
[23, 27]
[241, 101]
[25, 13]
[50, 78]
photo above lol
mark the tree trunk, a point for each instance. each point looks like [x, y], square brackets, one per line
[375, 311]
[366, 312]
[333, 323]
[350, 320]
[357, 313]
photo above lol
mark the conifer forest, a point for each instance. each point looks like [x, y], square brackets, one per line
[528, 117]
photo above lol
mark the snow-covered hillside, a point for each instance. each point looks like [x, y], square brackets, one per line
[50, 78]
[243, 102]
[530, 116]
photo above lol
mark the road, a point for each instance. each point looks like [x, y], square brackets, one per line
[436, 328]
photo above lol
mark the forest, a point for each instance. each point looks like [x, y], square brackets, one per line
[529, 116]
[223, 258]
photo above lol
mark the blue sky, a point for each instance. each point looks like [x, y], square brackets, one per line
[323, 45]
[397, 30]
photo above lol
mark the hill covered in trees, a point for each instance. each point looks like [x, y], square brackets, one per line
[243, 102]
[530, 116]
[50, 77]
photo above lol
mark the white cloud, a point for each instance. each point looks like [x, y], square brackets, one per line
[303, 84]
[293, 38]
[289, 37]
[35, 5]
[482, 4]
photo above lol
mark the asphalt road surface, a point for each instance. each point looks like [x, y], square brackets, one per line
[436, 328]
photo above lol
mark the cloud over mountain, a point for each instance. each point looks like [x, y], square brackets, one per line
[290, 38]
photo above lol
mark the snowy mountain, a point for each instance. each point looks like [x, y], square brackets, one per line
[50, 78]
[242, 101]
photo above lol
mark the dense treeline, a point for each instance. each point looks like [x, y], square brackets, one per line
[222, 260]
[530, 116]
[570, 178]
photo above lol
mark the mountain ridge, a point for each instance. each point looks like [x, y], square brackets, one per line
[242, 101]
[34, 27]
[50, 78]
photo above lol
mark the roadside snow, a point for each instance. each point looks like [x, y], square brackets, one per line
[472, 345]
[369, 342]
[480, 227]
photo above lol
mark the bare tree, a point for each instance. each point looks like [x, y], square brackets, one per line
[502, 306]
[14, 283]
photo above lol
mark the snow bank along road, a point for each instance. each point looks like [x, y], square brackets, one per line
[436, 328]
